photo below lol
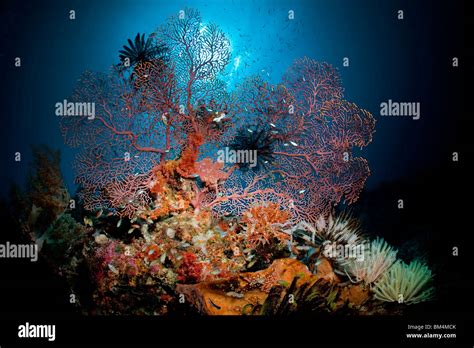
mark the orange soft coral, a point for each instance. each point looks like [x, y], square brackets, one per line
[262, 224]
[159, 183]
[190, 155]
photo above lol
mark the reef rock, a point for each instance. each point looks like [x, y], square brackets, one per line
[356, 295]
[232, 296]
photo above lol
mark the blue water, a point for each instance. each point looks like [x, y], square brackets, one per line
[389, 59]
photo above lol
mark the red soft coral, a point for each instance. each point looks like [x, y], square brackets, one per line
[190, 270]
[210, 172]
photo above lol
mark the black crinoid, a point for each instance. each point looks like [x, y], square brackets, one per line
[141, 50]
[256, 143]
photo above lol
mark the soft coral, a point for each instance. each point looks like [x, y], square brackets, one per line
[190, 270]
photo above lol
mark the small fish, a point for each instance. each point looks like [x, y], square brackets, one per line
[234, 294]
[284, 101]
[99, 213]
[271, 124]
[131, 230]
[136, 226]
[219, 118]
[212, 303]
[249, 130]
[293, 143]
[304, 79]
[285, 144]
[113, 269]
[251, 263]
[119, 223]
[274, 132]
[109, 214]
[136, 156]
[302, 191]
[88, 221]
[164, 119]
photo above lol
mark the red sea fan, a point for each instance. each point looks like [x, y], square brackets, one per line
[180, 111]
[130, 195]
[316, 130]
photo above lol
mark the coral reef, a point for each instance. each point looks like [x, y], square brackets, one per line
[180, 111]
[164, 217]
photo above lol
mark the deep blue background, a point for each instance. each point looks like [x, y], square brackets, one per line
[407, 60]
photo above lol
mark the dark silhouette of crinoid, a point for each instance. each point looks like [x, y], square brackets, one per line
[141, 50]
[257, 138]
